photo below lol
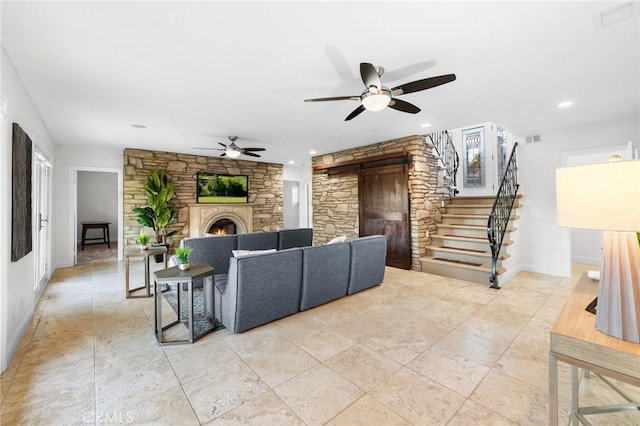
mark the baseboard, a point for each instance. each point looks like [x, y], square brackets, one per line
[14, 341]
[64, 264]
[557, 272]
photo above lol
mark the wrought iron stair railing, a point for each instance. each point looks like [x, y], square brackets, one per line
[448, 155]
[501, 213]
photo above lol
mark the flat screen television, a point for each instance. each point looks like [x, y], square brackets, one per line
[217, 188]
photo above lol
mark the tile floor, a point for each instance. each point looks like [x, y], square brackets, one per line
[416, 350]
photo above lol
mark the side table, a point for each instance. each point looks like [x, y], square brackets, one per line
[137, 252]
[206, 319]
[104, 226]
[575, 340]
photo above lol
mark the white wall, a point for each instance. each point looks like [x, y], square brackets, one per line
[68, 159]
[97, 201]
[17, 279]
[546, 246]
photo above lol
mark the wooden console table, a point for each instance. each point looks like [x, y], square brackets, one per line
[575, 340]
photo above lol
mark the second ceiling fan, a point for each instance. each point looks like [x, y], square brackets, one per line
[234, 151]
[377, 97]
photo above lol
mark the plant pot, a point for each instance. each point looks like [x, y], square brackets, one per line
[145, 247]
[184, 266]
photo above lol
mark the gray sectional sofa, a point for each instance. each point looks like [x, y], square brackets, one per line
[257, 288]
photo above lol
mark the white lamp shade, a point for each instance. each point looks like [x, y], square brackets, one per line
[376, 102]
[603, 196]
[232, 153]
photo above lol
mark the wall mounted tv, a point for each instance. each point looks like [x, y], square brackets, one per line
[217, 188]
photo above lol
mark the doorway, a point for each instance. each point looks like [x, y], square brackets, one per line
[90, 189]
[384, 210]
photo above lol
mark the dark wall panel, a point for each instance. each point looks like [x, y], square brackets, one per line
[22, 150]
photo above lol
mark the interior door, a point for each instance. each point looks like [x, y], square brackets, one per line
[384, 210]
[42, 188]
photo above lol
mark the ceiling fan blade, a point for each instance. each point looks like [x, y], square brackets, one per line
[222, 144]
[210, 149]
[403, 106]
[369, 75]
[224, 154]
[250, 154]
[426, 83]
[336, 98]
[254, 149]
[355, 113]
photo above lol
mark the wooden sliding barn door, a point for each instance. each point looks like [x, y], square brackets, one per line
[384, 210]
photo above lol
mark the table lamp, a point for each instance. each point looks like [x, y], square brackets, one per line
[606, 196]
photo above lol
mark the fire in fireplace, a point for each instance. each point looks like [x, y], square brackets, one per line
[223, 227]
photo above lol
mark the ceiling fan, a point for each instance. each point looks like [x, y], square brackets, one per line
[377, 97]
[234, 151]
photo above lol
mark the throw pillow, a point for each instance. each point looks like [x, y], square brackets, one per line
[340, 239]
[238, 253]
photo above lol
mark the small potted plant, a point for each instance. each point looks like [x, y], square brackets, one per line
[183, 253]
[143, 239]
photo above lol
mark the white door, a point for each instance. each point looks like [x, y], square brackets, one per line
[484, 152]
[42, 189]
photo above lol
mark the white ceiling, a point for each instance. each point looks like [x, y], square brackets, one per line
[195, 72]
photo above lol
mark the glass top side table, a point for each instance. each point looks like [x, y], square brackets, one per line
[138, 252]
[175, 277]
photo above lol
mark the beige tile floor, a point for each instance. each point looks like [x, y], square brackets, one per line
[418, 349]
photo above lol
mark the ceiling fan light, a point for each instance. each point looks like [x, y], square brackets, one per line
[232, 153]
[375, 102]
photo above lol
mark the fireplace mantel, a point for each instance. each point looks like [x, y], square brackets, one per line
[202, 216]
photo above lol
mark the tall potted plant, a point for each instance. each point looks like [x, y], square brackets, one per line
[159, 212]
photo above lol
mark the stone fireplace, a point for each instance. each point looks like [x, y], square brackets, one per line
[220, 219]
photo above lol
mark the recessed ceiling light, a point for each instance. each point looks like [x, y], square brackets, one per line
[312, 152]
[291, 162]
[139, 126]
[425, 125]
[565, 104]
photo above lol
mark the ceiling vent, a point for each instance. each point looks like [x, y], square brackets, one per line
[533, 139]
[617, 13]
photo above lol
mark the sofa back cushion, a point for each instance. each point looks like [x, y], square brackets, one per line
[261, 288]
[214, 251]
[368, 259]
[301, 237]
[325, 274]
[258, 241]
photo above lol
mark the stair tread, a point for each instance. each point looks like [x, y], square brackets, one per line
[466, 238]
[465, 226]
[466, 265]
[474, 216]
[480, 197]
[465, 251]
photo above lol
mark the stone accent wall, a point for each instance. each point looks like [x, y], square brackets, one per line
[265, 187]
[335, 198]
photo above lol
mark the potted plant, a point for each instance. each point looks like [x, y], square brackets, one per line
[143, 239]
[183, 253]
[159, 212]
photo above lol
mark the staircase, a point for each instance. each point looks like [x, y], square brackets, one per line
[460, 248]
